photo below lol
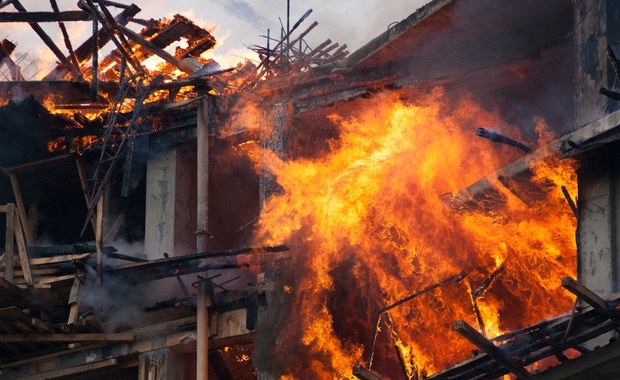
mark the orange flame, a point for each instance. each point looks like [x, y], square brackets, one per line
[369, 224]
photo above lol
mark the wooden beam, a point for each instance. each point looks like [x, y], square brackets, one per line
[23, 254]
[86, 337]
[74, 301]
[47, 40]
[490, 349]
[84, 51]
[9, 274]
[44, 16]
[98, 236]
[21, 209]
[80, 369]
[50, 280]
[58, 259]
[364, 374]
[151, 47]
[599, 304]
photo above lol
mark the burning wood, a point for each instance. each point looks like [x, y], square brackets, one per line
[496, 137]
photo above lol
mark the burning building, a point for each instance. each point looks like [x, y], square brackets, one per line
[438, 204]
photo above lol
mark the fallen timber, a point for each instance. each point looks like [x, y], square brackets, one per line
[531, 344]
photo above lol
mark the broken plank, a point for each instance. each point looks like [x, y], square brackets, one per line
[23, 254]
[151, 47]
[74, 301]
[86, 337]
[44, 16]
[51, 280]
[58, 259]
[21, 209]
[9, 242]
[599, 304]
[364, 374]
[490, 349]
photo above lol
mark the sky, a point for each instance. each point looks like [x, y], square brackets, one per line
[234, 23]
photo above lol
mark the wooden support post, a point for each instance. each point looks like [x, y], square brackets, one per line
[23, 254]
[202, 333]
[9, 243]
[74, 300]
[98, 237]
[598, 303]
[202, 175]
[21, 209]
[500, 356]
[364, 374]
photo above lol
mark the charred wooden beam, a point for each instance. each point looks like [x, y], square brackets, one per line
[450, 280]
[490, 349]
[109, 24]
[570, 201]
[86, 337]
[85, 51]
[496, 137]
[150, 46]
[599, 304]
[8, 241]
[609, 93]
[65, 36]
[47, 40]
[613, 59]
[364, 374]
[44, 16]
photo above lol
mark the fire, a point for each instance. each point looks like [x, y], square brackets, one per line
[372, 222]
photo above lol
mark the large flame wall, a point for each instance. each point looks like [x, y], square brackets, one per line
[371, 222]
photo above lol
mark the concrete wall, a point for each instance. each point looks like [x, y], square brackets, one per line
[170, 220]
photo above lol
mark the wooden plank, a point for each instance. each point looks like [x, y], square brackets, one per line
[151, 47]
[599, 304]
[98, 236]
[47, 40]
[74, 301]
[364, 374]
[87, 337]
[58, 259]
[44, 16]
[490, 349]
[51, 280]
[63, 372]
[23, 254]
[21, 209]
[9, 253]
[116, 226]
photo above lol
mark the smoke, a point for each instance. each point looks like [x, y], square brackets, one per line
[244, 12]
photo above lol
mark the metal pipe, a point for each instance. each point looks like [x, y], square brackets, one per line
[202, 333]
